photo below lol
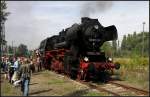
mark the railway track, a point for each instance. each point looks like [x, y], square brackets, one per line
[94, 86]
[114, 88]
[136, 90]
[117, 89]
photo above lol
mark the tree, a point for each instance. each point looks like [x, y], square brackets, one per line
[3, 12]
[114, 47]
[107, 48]
[3, 18]
[123, 44]
[10, 50]
[22, 50]
[133, 44]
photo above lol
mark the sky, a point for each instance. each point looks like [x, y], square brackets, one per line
[32, 21]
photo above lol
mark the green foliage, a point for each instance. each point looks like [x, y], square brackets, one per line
[22, 50]
[10, 50]
[135, 70]
[107, 48]
[3, 12]
[133, 45]
[3, 18]
[94, 93]
[123, 44]
[110, 48]
[114, 45]
[133, 63]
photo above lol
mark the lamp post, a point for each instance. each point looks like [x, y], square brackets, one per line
[143, 41]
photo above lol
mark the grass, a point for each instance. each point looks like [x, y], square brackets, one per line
[56, 81]
[48, 80]
[94, 93]
[133, 63]
[72, 89]
[135, 71]
[8, 89]
[67, 88]
[63, 86]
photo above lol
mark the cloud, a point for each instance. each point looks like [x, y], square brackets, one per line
[19, 24]
[32, 21]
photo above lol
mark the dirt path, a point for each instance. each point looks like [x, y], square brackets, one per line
[48, 83]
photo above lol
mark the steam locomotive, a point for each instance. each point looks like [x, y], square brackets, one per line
[76, 50]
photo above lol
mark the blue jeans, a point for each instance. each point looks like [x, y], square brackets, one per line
[25, 87]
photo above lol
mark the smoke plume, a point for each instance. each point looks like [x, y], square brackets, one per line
[95, 7]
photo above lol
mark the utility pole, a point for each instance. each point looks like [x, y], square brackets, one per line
[143, 41]
[118, 50]
[12, 49]
[0, 44]
[112, 55]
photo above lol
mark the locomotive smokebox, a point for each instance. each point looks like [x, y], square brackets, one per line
[94, 34]
[87, 36]
[94, 28]
[110, 33]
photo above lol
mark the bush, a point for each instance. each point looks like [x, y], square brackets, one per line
[133, 63]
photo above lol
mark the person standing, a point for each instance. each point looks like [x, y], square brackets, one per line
[2, 63]
[16, 67]
[32, 66]
[38, 60]
[25, 75]
[38, 63]
[10, 71]
[17, 64]
[6, 68]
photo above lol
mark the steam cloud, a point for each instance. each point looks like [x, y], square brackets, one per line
[95, 7]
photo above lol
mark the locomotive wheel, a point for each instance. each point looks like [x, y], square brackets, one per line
[112, 72]
[66, 63]
[49, 68]
[73, 74]
[104, 76]
[117, 65]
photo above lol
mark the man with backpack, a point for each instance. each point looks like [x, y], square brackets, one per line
[24, 75]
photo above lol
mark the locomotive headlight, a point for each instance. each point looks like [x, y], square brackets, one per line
[110, 59]
[86, 59]
[96, 26]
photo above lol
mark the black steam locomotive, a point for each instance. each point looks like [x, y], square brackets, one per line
[76, 50]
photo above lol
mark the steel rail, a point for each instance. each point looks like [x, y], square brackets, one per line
[137, 90]
[89, 84]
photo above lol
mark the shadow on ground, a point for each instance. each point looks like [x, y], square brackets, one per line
[33, 83]
[77, 93]
[41, 91]
[36, 73]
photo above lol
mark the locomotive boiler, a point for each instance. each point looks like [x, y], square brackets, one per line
[76, 50]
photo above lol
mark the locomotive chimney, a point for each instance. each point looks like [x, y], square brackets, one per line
[84, 19]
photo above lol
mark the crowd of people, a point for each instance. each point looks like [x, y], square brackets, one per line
[18, 71]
